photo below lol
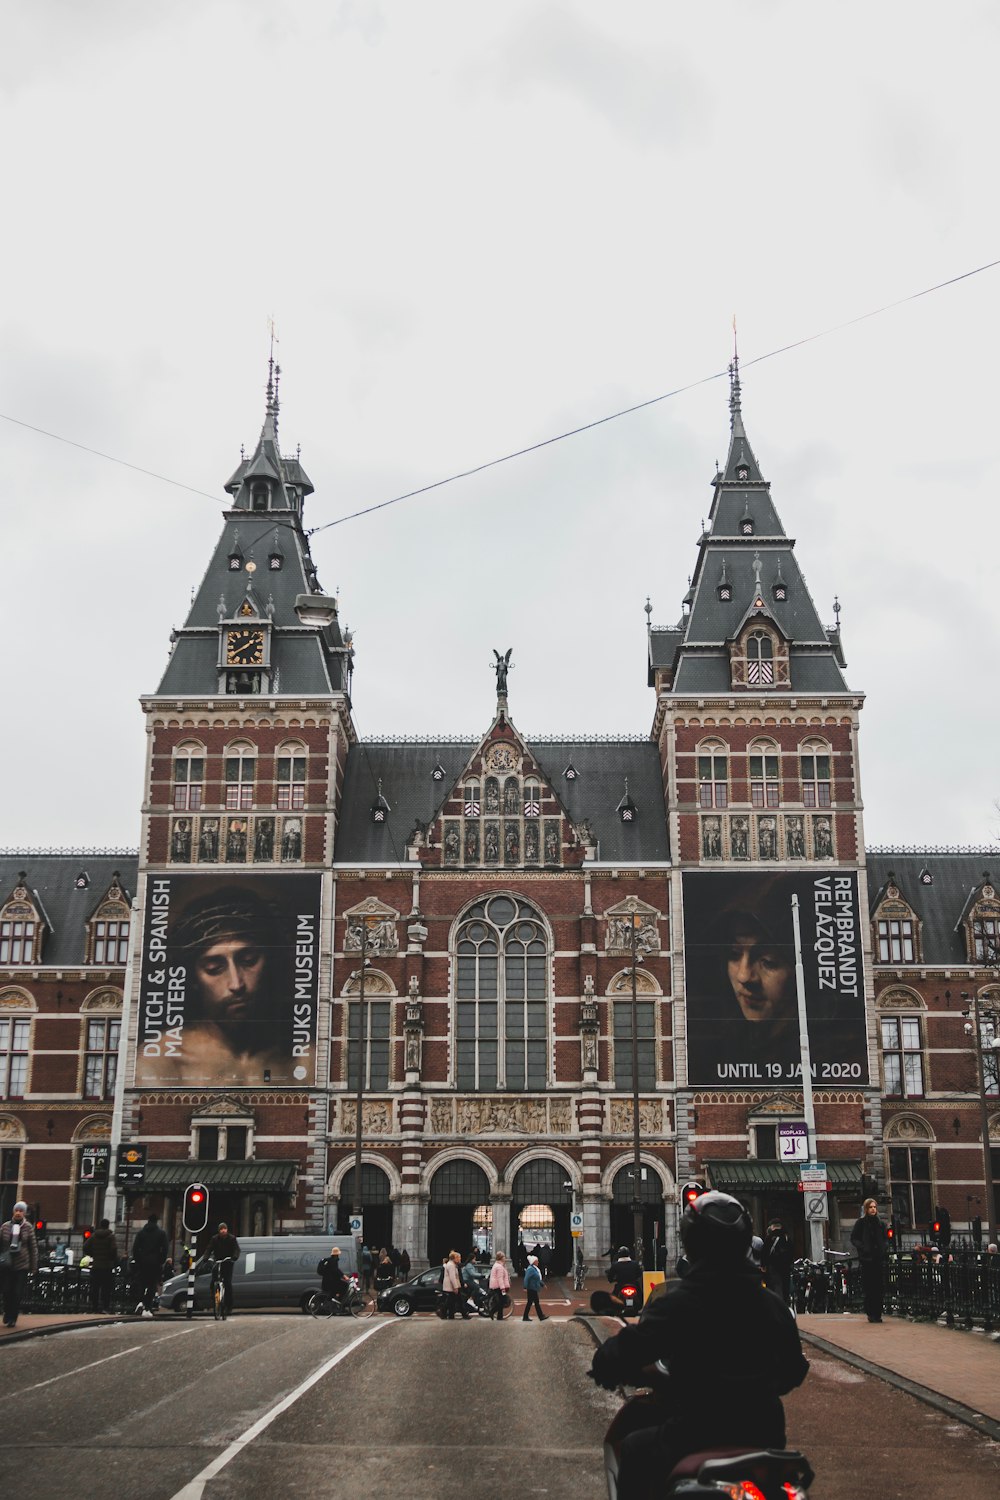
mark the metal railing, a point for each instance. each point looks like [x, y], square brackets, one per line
[66, 1289]
[963, 1292]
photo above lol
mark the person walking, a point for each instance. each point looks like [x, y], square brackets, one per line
[103, 1258]
[385, 1272]
[870, 1241]
[532, 1287]
[149, 1251]
[19, 1253]
[499, 1286]
[776, 1261]
[545, 1261]
[367, 1266]
[451, 1285]
[404, 1265]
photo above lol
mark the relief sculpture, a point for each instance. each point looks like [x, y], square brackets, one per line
[650, 1117]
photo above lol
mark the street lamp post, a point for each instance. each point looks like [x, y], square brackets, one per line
[357, 1210]
[635, 923]
[977, 1017]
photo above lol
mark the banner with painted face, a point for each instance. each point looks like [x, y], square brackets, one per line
[739, 962]
[229, 981]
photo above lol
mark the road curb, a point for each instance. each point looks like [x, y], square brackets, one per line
[956, 1409]
[19, 1335]
[598, 1334]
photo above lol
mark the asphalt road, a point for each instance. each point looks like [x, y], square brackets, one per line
[176, 1411]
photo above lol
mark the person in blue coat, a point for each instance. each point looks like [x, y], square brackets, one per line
[532, 1287]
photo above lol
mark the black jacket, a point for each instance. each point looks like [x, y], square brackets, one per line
[224, 1247]
[625, 1273]
[332, 1278]
[150, 1246]
[869, 1238]
[732, 1349]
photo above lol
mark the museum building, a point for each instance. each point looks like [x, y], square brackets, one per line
[508, 953]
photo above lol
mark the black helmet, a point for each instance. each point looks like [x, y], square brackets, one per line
[716, 1228]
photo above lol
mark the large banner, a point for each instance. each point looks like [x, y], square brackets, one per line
[739, 959]
[229, 983]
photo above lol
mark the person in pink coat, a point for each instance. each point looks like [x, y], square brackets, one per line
[499, 1285]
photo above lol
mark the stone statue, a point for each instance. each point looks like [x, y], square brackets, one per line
[501, 668]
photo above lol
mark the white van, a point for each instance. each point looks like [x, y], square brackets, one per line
[272, 1271]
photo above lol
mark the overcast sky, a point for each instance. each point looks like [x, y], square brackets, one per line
[477, 226]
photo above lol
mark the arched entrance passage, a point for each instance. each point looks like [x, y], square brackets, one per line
[457, 1190]
[650, 1196]
[539, 1185]
[375, 1204]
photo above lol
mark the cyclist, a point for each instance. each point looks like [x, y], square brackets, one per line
[224, 1250]
[332, 1279]
[731, 1349]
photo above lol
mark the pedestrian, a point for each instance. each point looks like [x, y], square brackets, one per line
[776, 1260]
[545, 1261]
[385, 1274]
[103, 1258]
[18, 1256]
[451, 1285]
[532, 1287]
[404, 1265]
[499, 1286]
[367, 1266]
[870, 1241]
[149, 1251]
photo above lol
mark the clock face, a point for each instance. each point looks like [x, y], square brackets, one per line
[245, 648]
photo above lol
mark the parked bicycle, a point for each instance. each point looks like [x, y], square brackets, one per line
[579, 1272]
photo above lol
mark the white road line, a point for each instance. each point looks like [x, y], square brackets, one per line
[22, 1390]
[195, 1487]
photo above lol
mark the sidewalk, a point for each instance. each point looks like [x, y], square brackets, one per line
[32, 1324]
[950, 1367]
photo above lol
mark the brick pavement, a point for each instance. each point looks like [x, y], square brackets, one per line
[960, 1366]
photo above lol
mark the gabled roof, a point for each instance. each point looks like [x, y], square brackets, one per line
[51, 878]
[406, 771]
[940, 905]
[745, 549]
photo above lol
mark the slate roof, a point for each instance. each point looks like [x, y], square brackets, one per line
[940, 905]
[750, 564]
[407, 785]
[304, 661]
[51, 879]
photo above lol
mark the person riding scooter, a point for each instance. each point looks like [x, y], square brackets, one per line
[729, 1349]
[622, 1273]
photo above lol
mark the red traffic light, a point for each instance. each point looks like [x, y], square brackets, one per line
[936, 1227]
[890, 1233]
[87, 1233]
[691, 1191]
[40, 1226]
[195, 1212]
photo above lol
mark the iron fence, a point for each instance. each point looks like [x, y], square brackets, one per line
[66, 1289]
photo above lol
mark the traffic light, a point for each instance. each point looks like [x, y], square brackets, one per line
[944, 1227]
[690, 1191]
[87, 1233]
[40, 1228]
[890, 1235]
[195, 1213]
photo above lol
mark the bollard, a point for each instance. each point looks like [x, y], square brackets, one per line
[191, 1259]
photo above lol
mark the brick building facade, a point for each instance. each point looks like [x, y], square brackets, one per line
[502, 900]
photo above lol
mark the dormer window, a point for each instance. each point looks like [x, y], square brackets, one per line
[760, 659]
[742, 473]
[746, 526]
[380, 807]
[986, 936]
[571, 773]
[438, 772]
[275, 561]
[725, 592]
[626, 809]
[258, 497]
[235, 562]
[780, 592]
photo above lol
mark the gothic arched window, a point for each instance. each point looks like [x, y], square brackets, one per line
[501, 1008]
[760, 659]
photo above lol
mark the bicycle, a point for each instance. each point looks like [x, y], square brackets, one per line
[579, 1273]
[355, 1304]
[217, 1292]
[498, 1303]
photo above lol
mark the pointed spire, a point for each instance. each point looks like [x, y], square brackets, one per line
[735, 413]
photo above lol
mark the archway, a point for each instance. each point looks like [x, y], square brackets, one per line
[539, 1186]
[458, 1189]
[376, 1203]
[650, 1197]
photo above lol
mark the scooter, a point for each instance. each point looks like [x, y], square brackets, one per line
[741, 1474]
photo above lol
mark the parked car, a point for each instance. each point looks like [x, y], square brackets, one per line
[272, 1271]
[421, 1293]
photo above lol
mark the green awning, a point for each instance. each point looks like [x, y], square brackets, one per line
[229, 1176]
[778, 1176]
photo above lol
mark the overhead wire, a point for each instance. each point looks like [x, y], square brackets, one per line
[548, 442]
